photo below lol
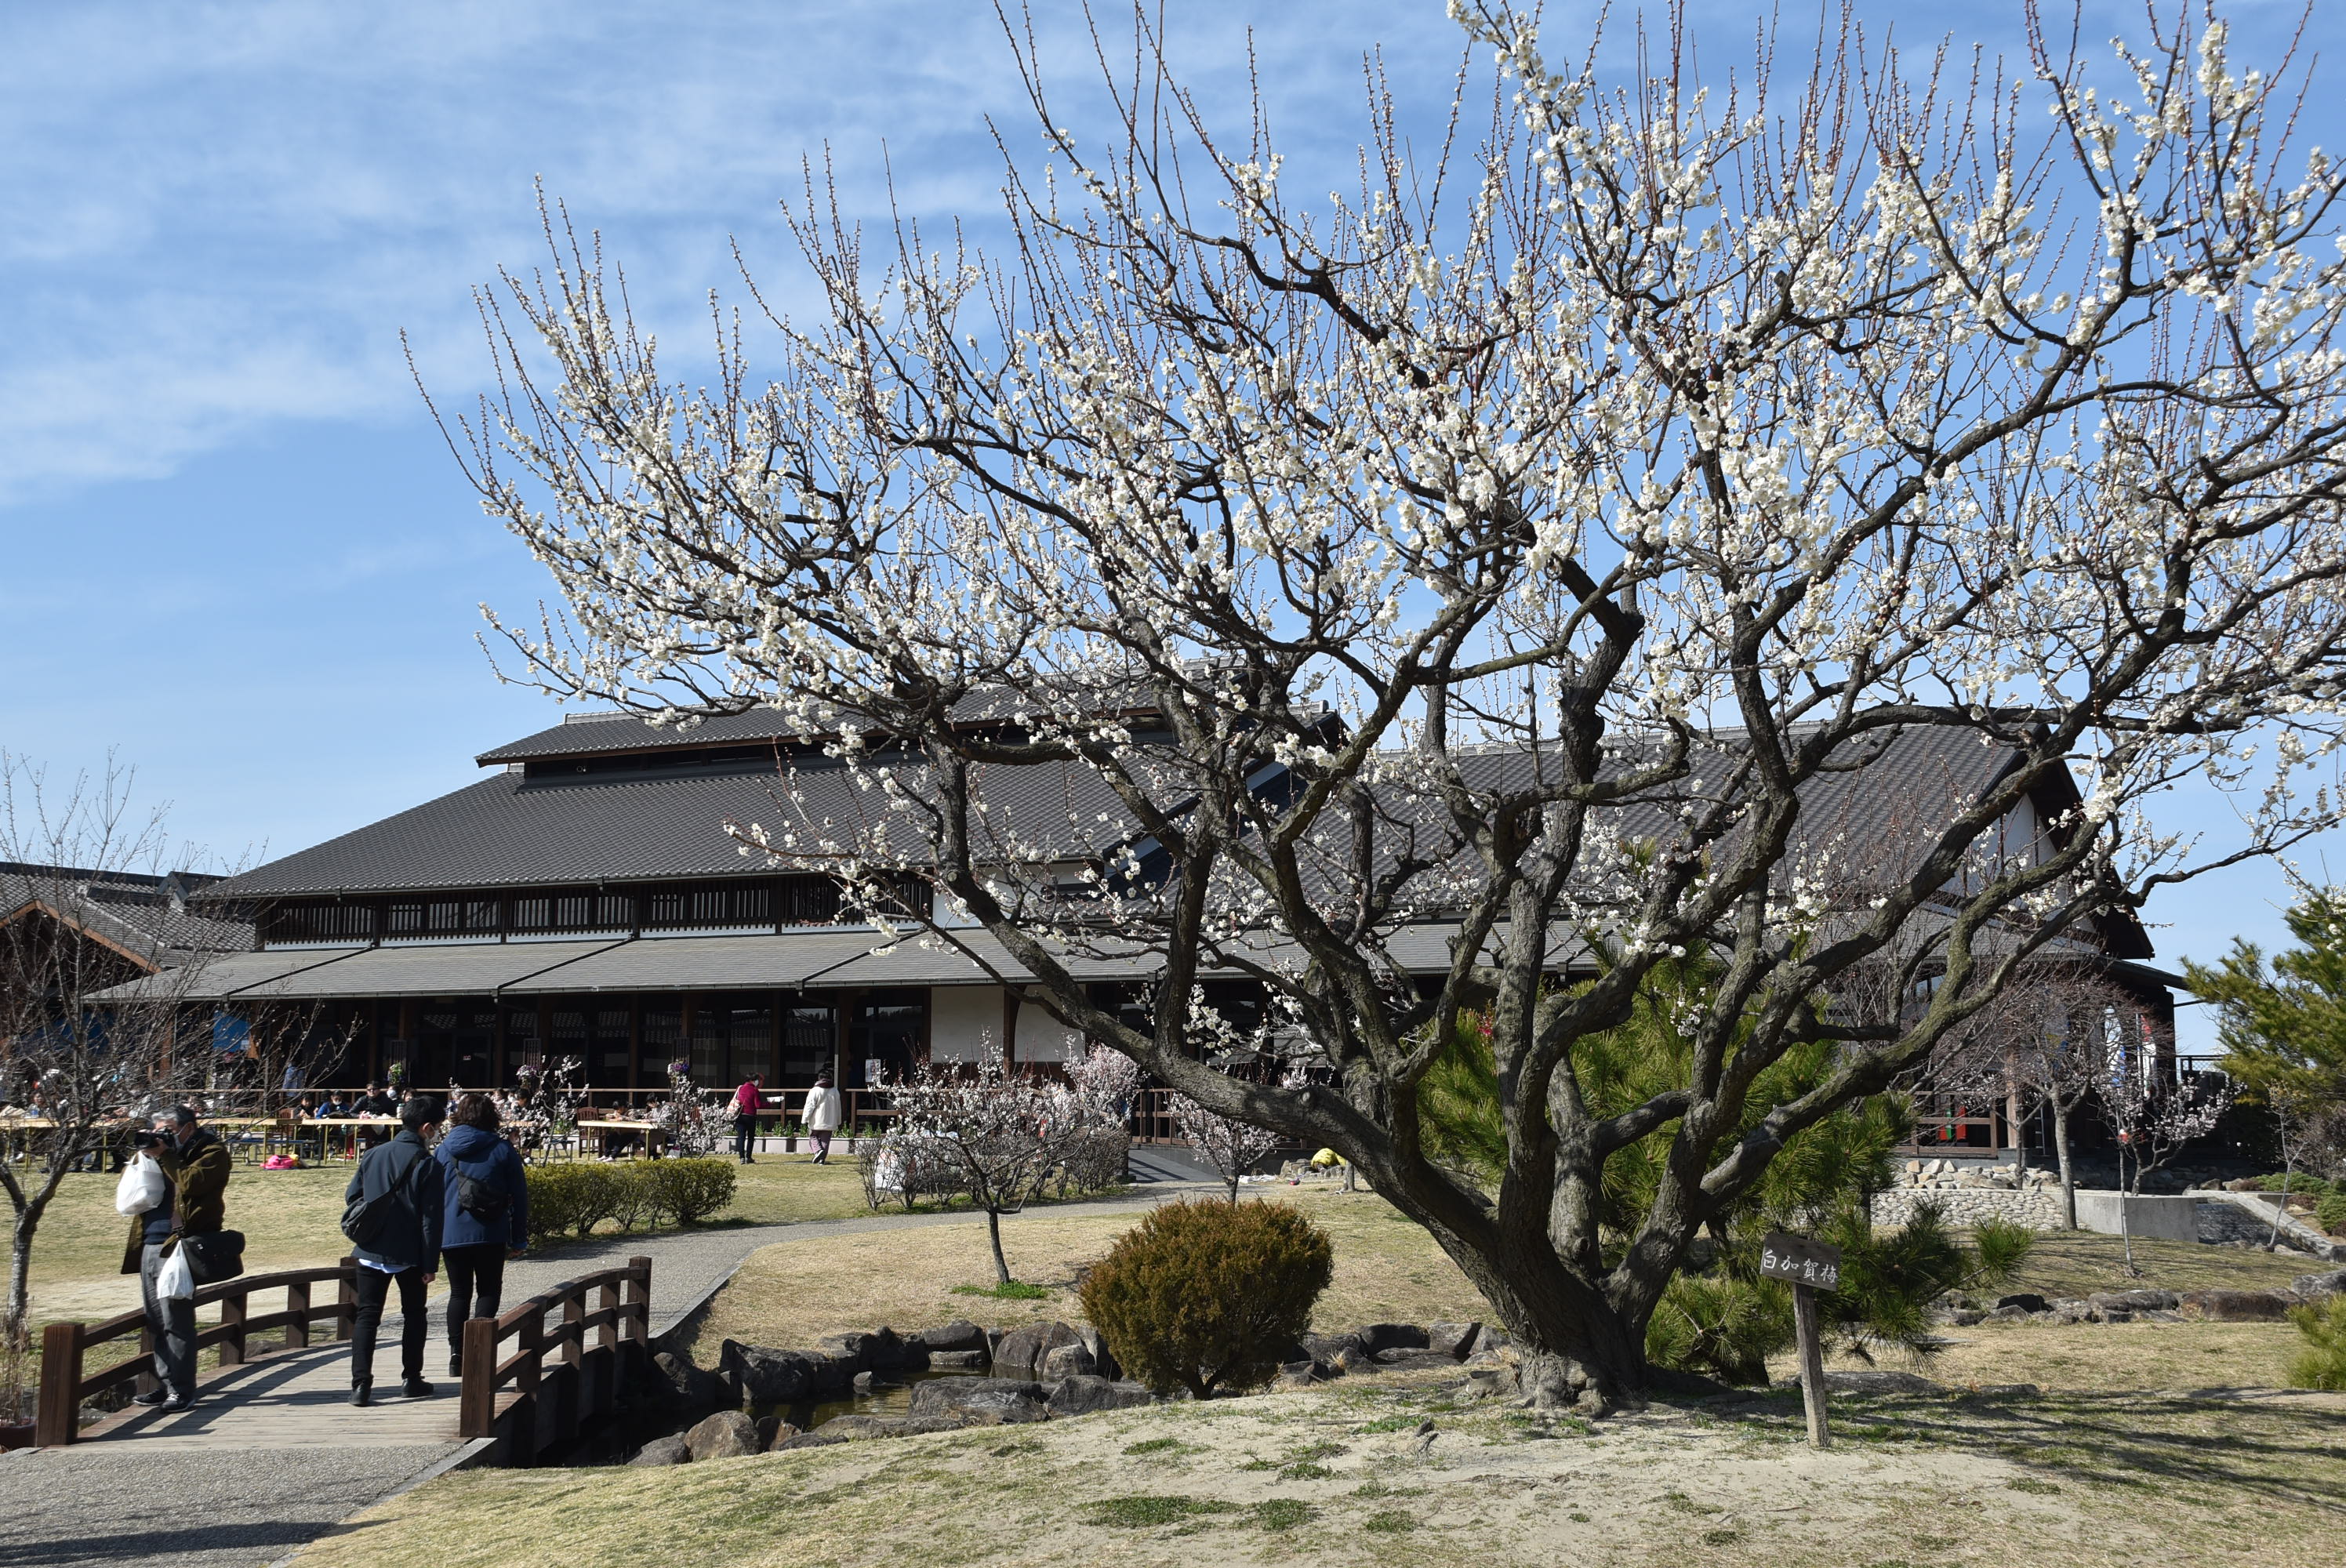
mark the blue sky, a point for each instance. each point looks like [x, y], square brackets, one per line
[232, 546]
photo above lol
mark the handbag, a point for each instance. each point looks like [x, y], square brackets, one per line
[213, 1255]
[363, 1218]
[477, 1197]
[140, 1188]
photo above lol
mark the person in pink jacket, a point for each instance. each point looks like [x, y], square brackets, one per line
[747, 1101]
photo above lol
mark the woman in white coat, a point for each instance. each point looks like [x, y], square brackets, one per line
[824, 1108]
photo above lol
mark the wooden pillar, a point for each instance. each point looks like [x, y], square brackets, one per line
[297, 1300]
[232, 1309]
[477, 1399]
[346, 1299]
[56, 1419]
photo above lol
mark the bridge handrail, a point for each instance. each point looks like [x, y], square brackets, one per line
[57, 1417]
[622, 1315]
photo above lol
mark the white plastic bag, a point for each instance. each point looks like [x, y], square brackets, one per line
[140, 1188]
[175, 1281]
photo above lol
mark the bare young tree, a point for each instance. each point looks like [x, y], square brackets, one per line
[1561, 516]
[84, 909]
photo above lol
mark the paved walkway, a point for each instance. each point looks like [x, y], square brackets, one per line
[272, 1455]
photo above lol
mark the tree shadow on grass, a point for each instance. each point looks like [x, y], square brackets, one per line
[2282, 1451]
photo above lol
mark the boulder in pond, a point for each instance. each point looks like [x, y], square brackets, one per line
[766, 1376]
[1023, 1351]
[959, 1335]
[694, 1388]
[1067, 1361]
[727, 1434]
[983, 1400]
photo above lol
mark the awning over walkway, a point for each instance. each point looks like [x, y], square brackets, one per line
[787, 960]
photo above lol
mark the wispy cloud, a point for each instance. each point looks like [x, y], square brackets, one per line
[216, 218]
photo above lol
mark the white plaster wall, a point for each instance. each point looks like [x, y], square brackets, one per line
[1041, 1037]
[964, 1020]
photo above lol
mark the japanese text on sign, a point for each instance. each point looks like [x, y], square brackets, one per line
[1814, 1264]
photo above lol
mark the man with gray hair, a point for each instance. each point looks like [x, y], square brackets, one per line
[196, 1168]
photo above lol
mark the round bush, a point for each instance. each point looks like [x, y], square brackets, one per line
[2332, 1212]
[1208, 1295]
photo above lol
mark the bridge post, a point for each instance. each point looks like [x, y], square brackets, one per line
[297, 1300]
[346, 1299]
[56, 1421]
[477, 1403]
[231, 1351]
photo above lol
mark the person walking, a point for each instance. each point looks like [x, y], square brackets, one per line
[824, 1110]
[747, 1101]
[392, 1214]
[485, 1220]
[196, 1168]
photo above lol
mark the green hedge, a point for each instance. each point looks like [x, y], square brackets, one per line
[572, 1200]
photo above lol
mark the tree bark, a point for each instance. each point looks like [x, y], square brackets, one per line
[2068, 1175]
[994, 1235]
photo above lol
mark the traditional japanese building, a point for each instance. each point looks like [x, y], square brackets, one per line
[586, 899]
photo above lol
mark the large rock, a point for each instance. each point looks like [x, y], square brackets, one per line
[1405, 1359]
[1326, 1352]
[1877, 1383]
[1456, 1341]
[1067, 1361]
[727, 1434]
[955, 1360]
[983, 1400]
[694, 1388]
[1375, 1338]
[662, 1450]
[2134, 1300]
[2319, 1286]
[2023, 1301]
[2238, 1306]
[881, 1350]
[1103, 1362]
[1082, 1396]
[1024, 1352]
[773, 1431]
[960, 1334]
[770, 1376]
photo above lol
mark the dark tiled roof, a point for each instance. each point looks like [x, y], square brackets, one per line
[132, 911]
[509, 830]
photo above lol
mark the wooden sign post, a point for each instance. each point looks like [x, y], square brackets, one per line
[1807, 1267]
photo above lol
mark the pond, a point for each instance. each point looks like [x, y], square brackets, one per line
[892, 1396]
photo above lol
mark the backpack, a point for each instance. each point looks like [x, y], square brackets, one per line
[476, 1197]
[364, 1218]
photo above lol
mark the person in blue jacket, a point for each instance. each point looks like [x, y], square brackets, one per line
[485, 1219]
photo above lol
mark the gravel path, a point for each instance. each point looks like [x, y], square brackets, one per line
[224, 1486]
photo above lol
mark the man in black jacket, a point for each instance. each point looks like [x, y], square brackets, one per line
[196, 1168]
[393, 1218]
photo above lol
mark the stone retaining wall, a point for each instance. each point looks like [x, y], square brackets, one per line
[2038, 1208]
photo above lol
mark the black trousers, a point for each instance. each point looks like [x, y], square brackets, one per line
[476, 1280]
[745, 1135]
[374, 1289]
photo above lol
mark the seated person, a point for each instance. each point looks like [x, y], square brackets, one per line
[333, 1106]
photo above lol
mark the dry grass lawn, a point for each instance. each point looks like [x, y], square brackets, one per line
[1341, 1474]
[792, 1293]
[2078, 1262]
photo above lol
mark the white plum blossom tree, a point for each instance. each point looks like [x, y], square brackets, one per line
[1556, 515]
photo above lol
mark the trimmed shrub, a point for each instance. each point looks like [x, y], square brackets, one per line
[1208, 1295]
[2332, 1212]
[690, 1190]
[572, 1200]
[2321, 1362]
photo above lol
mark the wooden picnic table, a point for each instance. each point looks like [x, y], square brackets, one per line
[350, 1125]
